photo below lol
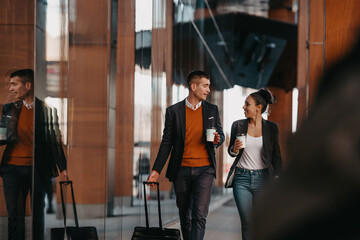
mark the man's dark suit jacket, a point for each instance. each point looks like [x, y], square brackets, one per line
[271, 147]
[173, 139]
[48, 152]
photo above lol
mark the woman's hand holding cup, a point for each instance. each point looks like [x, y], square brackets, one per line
[239, 143]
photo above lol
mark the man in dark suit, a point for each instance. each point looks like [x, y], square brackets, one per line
[27, 160]
[192, 165]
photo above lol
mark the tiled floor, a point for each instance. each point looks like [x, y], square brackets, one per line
[223, 221]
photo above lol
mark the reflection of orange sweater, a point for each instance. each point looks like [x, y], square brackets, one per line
[21, 152]
[195, 153]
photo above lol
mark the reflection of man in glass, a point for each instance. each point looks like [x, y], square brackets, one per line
[17, 164]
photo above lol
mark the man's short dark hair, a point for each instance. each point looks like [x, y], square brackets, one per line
[196, 74]
[26, 75]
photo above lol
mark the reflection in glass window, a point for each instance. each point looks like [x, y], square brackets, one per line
[142, 98]
[179, 92]
[183, 12]
[60, 104]
[160, 10]
[142, 130]
[143, 15]
[295, 95]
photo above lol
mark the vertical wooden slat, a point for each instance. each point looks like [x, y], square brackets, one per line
[310, 53]
[17, 26]
[342, 28]
[161, 62]
[124, 138]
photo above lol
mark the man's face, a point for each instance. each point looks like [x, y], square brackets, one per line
[201, 88]
[18, 88]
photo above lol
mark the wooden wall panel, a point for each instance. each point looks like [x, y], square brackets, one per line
[85, 129]
[342, 28]
[161, 70]
[310, 53]
[124, 138]
[302, 60]
[17, 12]
[316, 43]
[281, 13]
[87, 104]
[329, 28]
[86, 169]
[91, 22]
[158, 60]
[88, 82]
[281, 113]
[16, 52]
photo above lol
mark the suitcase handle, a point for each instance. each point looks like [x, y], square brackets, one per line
[73, 201]
[145, 202]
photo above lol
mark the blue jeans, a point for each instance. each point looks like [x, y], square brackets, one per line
[193, 187]
[246, 186]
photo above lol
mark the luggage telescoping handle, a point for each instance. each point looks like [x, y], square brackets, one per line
[73, 200]
[146, 208]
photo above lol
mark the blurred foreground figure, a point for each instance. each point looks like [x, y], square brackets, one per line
[318, 195]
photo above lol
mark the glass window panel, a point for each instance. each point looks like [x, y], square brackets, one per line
[107, 70]
[73, 80]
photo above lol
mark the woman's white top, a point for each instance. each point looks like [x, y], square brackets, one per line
[252, 157]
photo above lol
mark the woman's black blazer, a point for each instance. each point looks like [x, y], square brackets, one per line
[271, 146]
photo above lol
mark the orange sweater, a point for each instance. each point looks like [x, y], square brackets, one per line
[21, 152]
[195, 153]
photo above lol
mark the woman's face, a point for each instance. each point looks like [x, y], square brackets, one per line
[250, 108]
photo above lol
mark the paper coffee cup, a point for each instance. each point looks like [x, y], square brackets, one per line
[242, 139]
[210, 134]
[2, 133]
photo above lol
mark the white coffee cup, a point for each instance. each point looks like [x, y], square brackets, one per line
[210, 136]
[242, 139]
[2, 133]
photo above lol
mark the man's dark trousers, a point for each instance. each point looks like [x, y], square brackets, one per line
[193, 187]
[17, 185]
[38, 217]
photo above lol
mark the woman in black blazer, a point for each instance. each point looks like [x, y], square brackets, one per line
[257, 158]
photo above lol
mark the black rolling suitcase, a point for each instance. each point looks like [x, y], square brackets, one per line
[154, 233]
[74, 232]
